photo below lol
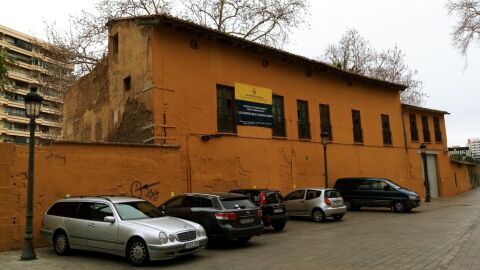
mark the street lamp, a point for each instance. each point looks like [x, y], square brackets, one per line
[423, 151]
[325, 140]
[33, 101]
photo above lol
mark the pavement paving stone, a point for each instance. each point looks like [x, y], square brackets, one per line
[444, 234]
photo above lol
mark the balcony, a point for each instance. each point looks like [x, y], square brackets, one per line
[49, 110]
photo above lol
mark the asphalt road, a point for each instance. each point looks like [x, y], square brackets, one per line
[445, 234]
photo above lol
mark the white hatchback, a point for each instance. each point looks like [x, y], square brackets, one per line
[318, 203]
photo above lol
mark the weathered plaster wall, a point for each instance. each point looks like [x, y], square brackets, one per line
[113, 103]
[80, 169]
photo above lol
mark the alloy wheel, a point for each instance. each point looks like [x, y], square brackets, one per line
[138, 253]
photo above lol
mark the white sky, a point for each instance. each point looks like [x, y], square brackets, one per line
[421, 29]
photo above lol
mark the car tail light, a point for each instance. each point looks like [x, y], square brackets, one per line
[327, 201]
[226, 216]
[259, 213]
[263, 199]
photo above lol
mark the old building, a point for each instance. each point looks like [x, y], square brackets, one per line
[247, 115]
[29, 65]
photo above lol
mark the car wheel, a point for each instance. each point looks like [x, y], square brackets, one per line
[398, 207]
[318, 215]
[60, 243]
[350, 206]
[137, 252]
[278, 226]
[243, 240]
[337, 217]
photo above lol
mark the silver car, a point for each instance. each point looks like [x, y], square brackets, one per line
[123, 226]
[318, 203]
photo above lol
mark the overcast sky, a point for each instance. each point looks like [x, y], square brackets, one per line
[421, 29]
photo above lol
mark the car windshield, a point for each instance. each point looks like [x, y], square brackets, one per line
[137, 210]
[392, 183]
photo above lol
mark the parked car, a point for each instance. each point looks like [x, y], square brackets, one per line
[376, 192]
[318, 203]
[223, 215]
[274, 211]
[123, 226]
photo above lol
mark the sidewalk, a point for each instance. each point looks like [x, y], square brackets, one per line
[442, 234]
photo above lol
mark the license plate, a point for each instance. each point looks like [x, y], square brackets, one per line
[279, 210]
[191, 245]
[246, 220]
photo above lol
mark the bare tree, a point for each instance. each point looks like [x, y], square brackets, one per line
[354, 53]
[84, 43]
[3, 69]
[467, 29]
[265, 21]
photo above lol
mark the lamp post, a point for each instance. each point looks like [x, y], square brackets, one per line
[325, 140]
[33, 101]
[423, 151]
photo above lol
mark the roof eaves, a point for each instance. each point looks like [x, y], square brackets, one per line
[257, 47]
[418, 108]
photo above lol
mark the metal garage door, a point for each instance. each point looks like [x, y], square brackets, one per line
[432, 175]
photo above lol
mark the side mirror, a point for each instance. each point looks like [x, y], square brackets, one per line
[163, 210]
[110, 219]
[387, 188]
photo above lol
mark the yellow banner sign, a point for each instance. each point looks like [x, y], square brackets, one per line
[252, 93]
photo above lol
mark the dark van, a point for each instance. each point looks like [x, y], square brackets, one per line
[376, 192]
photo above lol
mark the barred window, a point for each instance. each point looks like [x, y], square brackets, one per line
[387, 134]
[226, 109]
[278, 116]
[357, 127]
[325, 124]
[303, 120]
[413, 127]
[437, 130]
[425, 129]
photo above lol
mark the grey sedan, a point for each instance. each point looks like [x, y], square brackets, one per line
[318, 203]
[122, 226]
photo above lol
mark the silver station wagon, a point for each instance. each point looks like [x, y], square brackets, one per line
[123, 226]
[318, 203]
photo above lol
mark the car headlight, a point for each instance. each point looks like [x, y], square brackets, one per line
[412, 197]
[201, 232]
[171, 237]
[163, 237]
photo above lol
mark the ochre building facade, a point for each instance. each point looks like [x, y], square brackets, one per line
[172, 83]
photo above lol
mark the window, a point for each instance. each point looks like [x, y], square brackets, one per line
[425, 130]
[226, 109]
[100, 211]
[312, 194]
[387, 134]
[363, 185]
[303, 123]
[380, 185]
[237, 203]
[174, 203]
[325, 124]
[278, 117]
[357, 127]
[413, 128]
[115, 44]
[127, 83]
[296, 195]
[64, 209]
[85, 210]
[436, 129]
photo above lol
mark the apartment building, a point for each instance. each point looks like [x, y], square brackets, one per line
[28, 65]
[474, 145]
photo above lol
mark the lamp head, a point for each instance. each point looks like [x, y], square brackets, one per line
[33, 102]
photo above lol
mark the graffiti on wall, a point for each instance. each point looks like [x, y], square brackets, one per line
[137, 189]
